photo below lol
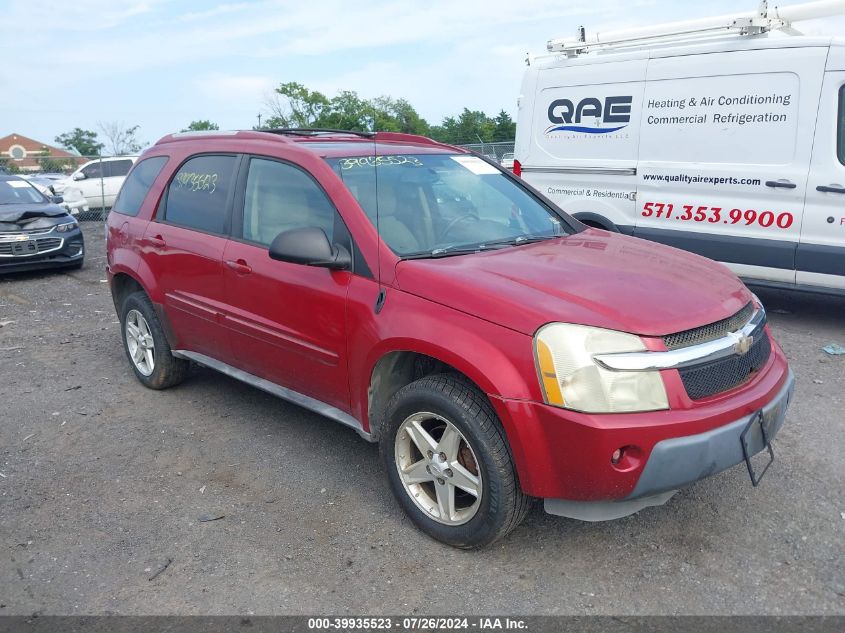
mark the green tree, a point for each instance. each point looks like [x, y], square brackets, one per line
[83, 141]
[294, 105]
[347, 111]
[50, 164]
[9, 165]
[397, 115]
[472, 126]
[447, 131]
[505, 127]
[201, 126]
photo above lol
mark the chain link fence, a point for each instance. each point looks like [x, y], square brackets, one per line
[495, 151]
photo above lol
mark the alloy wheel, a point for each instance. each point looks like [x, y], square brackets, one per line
[139, 342]
[438, 468]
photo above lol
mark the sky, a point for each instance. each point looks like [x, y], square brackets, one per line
[160, 64]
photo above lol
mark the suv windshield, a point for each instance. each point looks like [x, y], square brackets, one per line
[429, 205]
[19, 192]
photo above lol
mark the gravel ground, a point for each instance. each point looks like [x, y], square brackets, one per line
[104, 482]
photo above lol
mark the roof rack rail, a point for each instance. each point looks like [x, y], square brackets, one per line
[400, 137]
[313, 131]
[756, 22]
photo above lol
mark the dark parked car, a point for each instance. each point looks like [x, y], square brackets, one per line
[35, 232]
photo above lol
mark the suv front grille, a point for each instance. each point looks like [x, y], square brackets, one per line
[717, 376]
[709, 332]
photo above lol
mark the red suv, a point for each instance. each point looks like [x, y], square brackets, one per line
[496, 348]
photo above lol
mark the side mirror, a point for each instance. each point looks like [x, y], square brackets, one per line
[56, 199]
[311, 247]
[78, 176]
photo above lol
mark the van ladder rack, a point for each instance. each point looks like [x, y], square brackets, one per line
[756, 22]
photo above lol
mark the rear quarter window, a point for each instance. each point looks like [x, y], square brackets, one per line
[137, 185]
[117, 167]
[840, 127]
[198, 195]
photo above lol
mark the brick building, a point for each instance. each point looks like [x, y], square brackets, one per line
[24, 152]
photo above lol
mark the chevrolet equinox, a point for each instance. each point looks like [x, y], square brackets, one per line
[498, 350]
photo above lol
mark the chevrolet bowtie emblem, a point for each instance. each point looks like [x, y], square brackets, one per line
[743, 344]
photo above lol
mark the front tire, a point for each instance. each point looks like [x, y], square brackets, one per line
[146, 346]
[449, 464]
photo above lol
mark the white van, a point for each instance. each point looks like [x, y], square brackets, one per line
[717, 138]
[99, 180]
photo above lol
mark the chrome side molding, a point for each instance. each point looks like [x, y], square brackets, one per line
[738, 342]
[306, 402]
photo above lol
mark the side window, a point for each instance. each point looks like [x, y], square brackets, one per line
[94, 170]
[136, 186]
[198, 195]
[840, 127]
[280, 197]
[117, 167]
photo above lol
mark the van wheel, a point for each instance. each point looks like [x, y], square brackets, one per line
[146, 346]
[449, 464]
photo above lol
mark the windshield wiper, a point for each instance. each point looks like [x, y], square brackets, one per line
[524, 239]
[459, 249]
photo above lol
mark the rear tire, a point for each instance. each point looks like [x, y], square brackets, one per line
[449, 464]
[146, 346]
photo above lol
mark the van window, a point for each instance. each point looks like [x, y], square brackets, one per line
[840, 127]
[94, 170]
[280, 197]
[137, 185]
[198, 194]
[743, 118]
[117, 167]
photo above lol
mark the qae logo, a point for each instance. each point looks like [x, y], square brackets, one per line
[567, 116]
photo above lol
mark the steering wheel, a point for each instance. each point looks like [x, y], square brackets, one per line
[466, 215]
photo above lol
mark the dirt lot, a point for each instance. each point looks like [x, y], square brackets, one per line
[103, 482]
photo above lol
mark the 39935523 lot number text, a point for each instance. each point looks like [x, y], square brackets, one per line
[720, 215]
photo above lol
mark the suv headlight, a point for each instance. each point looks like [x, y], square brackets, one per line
[67, 226]
[570, 377]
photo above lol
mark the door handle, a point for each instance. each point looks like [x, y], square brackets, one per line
[157, 241]
[781, 183]
[830, 189]
[239, 266]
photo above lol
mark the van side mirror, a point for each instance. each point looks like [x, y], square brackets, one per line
[309, 246]
[79, 176]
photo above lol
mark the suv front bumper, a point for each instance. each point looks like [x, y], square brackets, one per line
[564, 456]
[680, 461]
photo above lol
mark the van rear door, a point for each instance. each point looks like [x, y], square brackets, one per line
[821, 253]
[582, 150]
[724, 155]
